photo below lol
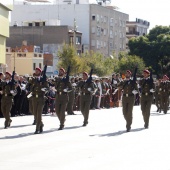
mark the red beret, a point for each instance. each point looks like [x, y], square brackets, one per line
[165, 76]
[85, 73]
[38, 69]
[62, 69]
[146, 71]
[8, 73]
[128, 71]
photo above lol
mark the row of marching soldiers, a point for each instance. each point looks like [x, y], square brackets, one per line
[81, 94]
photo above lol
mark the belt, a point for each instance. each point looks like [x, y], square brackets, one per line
[7, 95]
[85, 94]
[127, 95]
[60, 93]
[37, 96]
[146, 94]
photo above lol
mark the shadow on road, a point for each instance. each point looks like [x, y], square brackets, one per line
[157, 114]
[117, 133]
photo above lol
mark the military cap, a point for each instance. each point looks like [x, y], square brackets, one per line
[8, 73]
[38, 69]
[62, 69]
[128, 71]
[146, 71]
[85, 73]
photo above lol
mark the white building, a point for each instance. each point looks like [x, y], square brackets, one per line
[103, 28]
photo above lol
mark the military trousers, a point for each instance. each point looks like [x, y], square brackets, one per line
[127, 107]
[146, 102]
[164, 102]
[71, 102]
[6, 105]
[61, 102]
[38, 104]
[85, 101]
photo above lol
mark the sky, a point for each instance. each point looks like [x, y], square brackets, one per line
[157, 12]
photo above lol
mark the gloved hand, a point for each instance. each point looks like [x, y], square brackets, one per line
[12, 91]
[152, 90]
[134, 92]
[74, 84]
[89, 89]
[43, 89]
[114, 82]
[1, 92]
[65, 90]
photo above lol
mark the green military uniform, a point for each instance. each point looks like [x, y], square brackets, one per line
[146, 99]
[38, 101]
[158, 98]
[29, 89]
[164, 89]
[86, 90]
[128, 99]
[6, 101]
[71, 96]
[62, 88]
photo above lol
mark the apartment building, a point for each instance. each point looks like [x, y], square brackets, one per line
[5, 7]
[103, 28]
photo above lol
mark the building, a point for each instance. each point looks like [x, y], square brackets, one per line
[5, 7]
[103, 28]
[25, 59]
[136, 28]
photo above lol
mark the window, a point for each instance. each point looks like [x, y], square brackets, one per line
[37, 24]
[35, 55]
[39, 65]
[30, 24]
[40, 55]
[93, 17]
[105, 31]
[105, 19]
[93, 43]
[34, 66]
[78, 40]
[98, 30]
[98, 18]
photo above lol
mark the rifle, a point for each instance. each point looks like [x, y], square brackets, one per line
[44, 77]
[134, 75]
[89, 80]
[66, 79]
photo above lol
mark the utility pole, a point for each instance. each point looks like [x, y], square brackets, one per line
[74, 31]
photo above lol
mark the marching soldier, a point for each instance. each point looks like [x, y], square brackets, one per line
[86, 87]
[7, 92]
[63, 87]
[129, 88]
[39, 86]
[164, 89]
[1, 85]
[147, 90]
[158, 96]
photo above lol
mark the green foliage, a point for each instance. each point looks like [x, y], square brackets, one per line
[152, 48]
[129, 62]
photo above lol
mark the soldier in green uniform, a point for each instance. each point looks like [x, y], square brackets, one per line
[63, 87]
[39, 87]
[157, 95]
[7, 92]
[164, 89]
[87, 88]
[147, 90]
[129, 88]
[1, 84]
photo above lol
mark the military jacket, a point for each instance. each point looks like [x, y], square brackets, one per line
[83, 87]
[36, 86]
[61, 84]
[128, 86]
[164, 88]
[7, 87]
[146, 86]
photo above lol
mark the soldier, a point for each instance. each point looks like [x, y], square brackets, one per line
[7, 92]
[129, 88]
[164, 89]
[71, 96]
[1, 84]
[63, 87]
[39, 86]
[147, 90]
[158, 96]
[86, 87]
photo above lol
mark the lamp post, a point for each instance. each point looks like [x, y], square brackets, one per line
[74, 31]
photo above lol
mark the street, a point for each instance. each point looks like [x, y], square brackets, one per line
[103, 144]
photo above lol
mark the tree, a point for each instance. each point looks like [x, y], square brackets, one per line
[152, 48]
